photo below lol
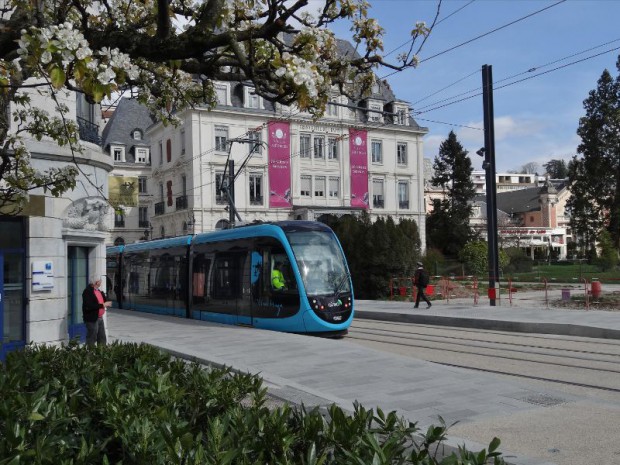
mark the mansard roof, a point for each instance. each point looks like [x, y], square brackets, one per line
[128, 116]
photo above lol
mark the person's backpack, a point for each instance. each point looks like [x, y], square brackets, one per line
[423, 278]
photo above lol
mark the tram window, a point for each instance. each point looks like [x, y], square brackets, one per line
[281, 273]
[225, 278]
[199, 279]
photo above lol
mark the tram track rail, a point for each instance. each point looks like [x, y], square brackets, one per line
[570, 361]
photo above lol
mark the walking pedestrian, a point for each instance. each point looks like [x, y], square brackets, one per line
[420, 279]
[94, 303]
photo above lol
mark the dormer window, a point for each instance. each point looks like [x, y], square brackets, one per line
[136, 134]
[252, 99]
[118, 153]
[401, 116]
[332, 109]
[375, 112]
[142, 155]
[221, 94]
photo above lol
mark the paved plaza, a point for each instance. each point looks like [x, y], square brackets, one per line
[319, 372]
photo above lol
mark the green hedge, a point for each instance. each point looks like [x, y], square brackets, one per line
[132, 404]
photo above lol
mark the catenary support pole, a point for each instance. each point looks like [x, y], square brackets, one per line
[489, 153]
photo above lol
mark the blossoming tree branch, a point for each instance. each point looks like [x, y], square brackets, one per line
[168, 53]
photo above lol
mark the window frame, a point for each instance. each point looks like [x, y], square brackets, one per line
[319, 183]
[220, 142]
[303, 192]
[376, 158]
[402, 159]
[378, 200]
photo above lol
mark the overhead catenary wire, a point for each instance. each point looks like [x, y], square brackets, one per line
[426, 108]
[436, 24]
[492, 31]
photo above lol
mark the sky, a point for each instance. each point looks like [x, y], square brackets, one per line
[536, 119]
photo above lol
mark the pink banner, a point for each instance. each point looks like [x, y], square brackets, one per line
[279, 165]
[358, 150]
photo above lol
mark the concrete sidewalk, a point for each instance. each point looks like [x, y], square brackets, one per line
[319, 372]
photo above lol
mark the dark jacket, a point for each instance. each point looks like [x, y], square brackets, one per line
[90, 304]
[420, 278]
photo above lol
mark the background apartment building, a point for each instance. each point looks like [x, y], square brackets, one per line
[361, 156]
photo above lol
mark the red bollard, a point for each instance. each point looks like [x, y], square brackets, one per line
[596, 289]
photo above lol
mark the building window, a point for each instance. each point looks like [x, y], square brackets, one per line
[403, 195]
[332, 148]
[221, 138]
[161, 153]
[401, 153]
[255, 146]
[375, 113]
[137, 134]
[332, 110]
[142, 184]
[304, 145]
[401, 117]
[352, 109]
[376, 151]
[161, 191]
[221, 94]
[118, 154]
[306, 186]
[169, 192]
[256, 189]
[162, 232]
[319, 186]
[220, 197]
[334, 187]
[143, 217]
[184, 185]
[182, 141]
[119, 219]
[141, 155]
[319, 147]
[377, 193]
[253, 100]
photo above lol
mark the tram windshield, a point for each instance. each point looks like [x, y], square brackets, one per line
[321, 262]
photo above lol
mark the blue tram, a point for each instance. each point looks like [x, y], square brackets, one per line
[229, 276]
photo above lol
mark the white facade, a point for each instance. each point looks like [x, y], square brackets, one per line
[66, 234]
[189, 160]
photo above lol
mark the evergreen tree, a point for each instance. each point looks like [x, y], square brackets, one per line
[595, 176]
[556, 169]
[448, 226]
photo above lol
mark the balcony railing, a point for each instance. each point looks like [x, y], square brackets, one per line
[181, 202]
[378, 203]
[403, 204]
[258, 200]
[143, 224]
[119, 222]
[89, 131]
[159, 208]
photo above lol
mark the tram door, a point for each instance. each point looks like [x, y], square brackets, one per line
[77, 276]
[252, 271]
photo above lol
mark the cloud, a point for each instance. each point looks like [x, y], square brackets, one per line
[518, 140]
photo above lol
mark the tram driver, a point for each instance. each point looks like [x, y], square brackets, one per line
[277, 277]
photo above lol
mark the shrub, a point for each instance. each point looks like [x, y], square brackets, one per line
[519, 262]
[132, 404]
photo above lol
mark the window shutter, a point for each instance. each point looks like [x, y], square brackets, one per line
[168, 150]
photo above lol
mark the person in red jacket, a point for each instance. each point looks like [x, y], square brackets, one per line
[94, 303]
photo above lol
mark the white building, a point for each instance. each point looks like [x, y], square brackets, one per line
[364, 155]
[48, 252]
